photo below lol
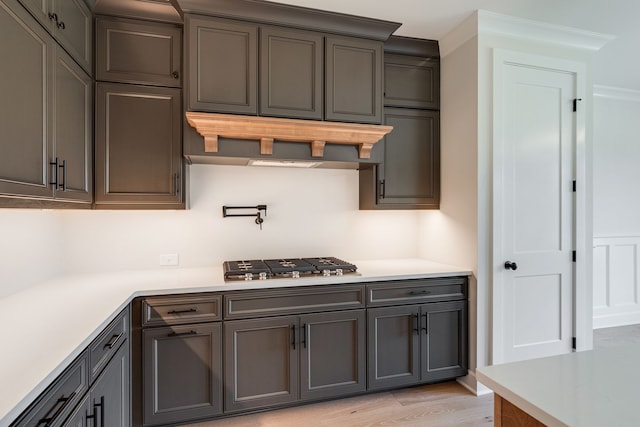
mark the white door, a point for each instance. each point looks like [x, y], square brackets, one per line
[534, 213]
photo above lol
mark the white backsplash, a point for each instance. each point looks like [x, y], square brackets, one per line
[311, 212]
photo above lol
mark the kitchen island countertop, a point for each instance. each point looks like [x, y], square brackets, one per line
[46, 326]
[587, 389]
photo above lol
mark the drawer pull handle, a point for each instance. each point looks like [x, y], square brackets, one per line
[47, 421]
[114, 339]
[423, 292]
[189, 310]
[178, 334]
[293, 336]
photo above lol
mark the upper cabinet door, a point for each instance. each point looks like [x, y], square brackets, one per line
[353, 89]
[222, 65]
[411, 82]
[74, 30]
[138, 52]
[409, 177]
[291, 74]
[73, 129]
[25, 103]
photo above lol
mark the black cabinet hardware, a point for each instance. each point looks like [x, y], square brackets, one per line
[179, 334]
[188, 310]
[382, 189]
[63, 166]
[426, 323]
[175, 75]
[99, 406]
[304, 335]
[55, 173]
[416, 328]
[114, 339]
[293, 336]
[64, 401]
[60, 25]
[53, 16]
[422, 292]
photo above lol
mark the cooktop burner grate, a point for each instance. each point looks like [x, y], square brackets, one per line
[291, 267]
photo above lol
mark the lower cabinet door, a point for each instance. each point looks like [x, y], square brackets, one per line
[182, 373]
[393, 346]
[261, 362]
[110, 394]
[332, 354]
[79, 416]
[444, 345]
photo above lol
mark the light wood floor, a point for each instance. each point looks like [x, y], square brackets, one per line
[437, 405]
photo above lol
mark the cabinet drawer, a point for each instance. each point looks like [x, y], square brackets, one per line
[291, 301]
[56, 403]
[180, 310]
[104, 347]
[416, 291]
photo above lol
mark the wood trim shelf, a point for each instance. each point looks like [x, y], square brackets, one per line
[267, 129]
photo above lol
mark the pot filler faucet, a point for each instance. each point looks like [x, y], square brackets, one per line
[259, 208]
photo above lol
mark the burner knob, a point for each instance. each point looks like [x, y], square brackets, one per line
[326, 273]
[263, 275]
[295, 274]
[338, 272]
[248, 276]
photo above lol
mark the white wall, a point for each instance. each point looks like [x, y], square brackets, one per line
[31, 248]
[311, 212]
[616, 225]
[450, 235]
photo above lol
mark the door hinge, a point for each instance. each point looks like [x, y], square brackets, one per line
[575, 104]
[573, 343]
[574, 255]
[574, 185]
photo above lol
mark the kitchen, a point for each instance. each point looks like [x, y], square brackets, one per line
[84, 242]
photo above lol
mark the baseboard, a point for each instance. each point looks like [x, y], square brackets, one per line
[613, 320]
[471, 383]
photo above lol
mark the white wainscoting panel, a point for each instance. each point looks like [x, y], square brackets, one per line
[616, 291]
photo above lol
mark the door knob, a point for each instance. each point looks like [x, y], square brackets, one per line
[508, 265]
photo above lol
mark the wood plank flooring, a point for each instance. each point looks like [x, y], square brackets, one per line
[437, 405]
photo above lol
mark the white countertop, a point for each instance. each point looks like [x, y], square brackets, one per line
[588, 389]
[45, 327]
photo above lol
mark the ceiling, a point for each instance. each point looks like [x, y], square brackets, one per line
[616, 64]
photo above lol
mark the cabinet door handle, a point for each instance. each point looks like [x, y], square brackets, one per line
[304, 335]
[63, 166]
[179, 334]
[416, 328]
[293, 336]
[175, 75]
[100, 406]
[47, 421]
[61, 25]
[114, 339]
[426, 324]
[189, 310]
[53, 16]
[422, 292]
[55, 173]
[382, 188]
[176, 184]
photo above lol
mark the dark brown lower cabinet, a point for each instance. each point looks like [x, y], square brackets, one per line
[278, 360]
[109, 397]
[182, 373]
[416, 344]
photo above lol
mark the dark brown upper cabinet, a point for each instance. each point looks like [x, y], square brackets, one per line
[129, 51]
[138, 147]
[45, 116]
[222, 65]
[409, 175]
[353, 80]
[291, 75]
[411, 81]
[70, 22]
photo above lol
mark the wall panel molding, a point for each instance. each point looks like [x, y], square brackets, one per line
[616, 279]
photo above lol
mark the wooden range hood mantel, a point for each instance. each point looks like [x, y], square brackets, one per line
[267, 129]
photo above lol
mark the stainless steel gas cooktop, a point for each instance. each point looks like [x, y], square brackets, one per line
[286, 268]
